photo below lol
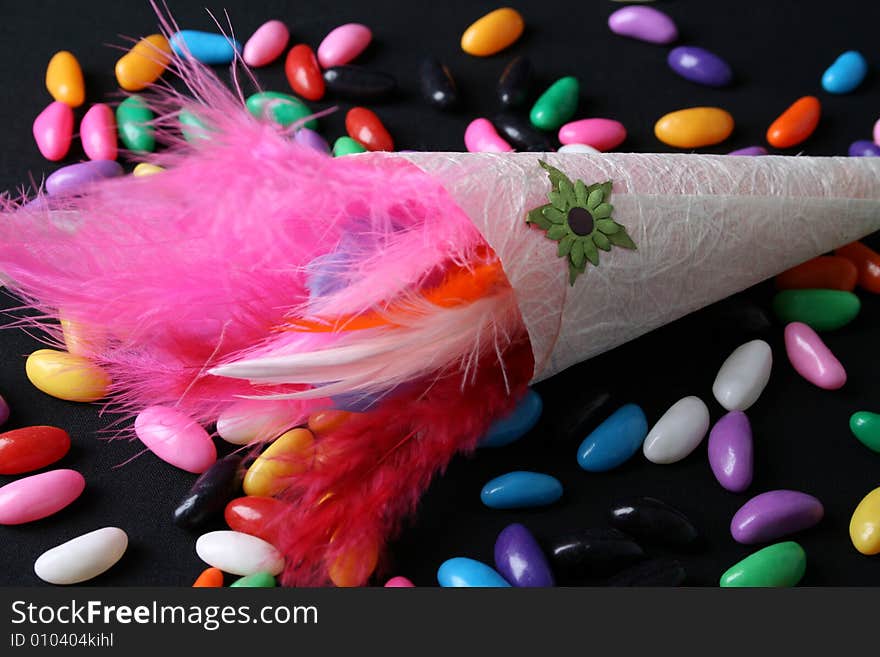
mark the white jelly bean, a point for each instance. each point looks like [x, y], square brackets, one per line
[743, 376]
[83, 557]
[678, 432]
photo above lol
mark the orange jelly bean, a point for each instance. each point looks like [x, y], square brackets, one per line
[327, 421]
[796, 123]
[64, 79]
[493, 32]
[824, 272]
[143, 64]
[694, 127]
[354, 567]
[366, 128]
[867, 262]
[211, 578]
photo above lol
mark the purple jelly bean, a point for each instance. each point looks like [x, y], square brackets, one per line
[750, 150]
[730, 451]
[70, 178]
[520, 560]
[643, 23]
[864, 148]
[4, 410]
[700, 66]
[769, 516]
[310, 138]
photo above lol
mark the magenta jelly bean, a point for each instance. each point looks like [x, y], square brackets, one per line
[343, 44]
[98, 133]
[877, 132]
[481, 137]
[601, 134]
[399, 583]
[53, 130]
[643, 23]
[811, 358]
[750, 150]
[266, 44]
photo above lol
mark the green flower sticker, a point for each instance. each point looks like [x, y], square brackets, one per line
[578, 217]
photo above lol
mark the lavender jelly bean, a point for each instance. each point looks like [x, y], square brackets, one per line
[643, 23]
[700, 66]
[70, 178]
[310, 138]
[750, 150]
[776, 513]
[730, 451]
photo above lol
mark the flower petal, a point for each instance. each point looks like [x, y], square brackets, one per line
[608, 226]
[557, 199]
[590, 251]
[567, 191]
[556, 176]
[557, 232]
[601, 241]
[595, 198]
[622, 239]
[603, 211]
[577, 254]
[565, 246]
[554, 215]
[537, 217]
[580, 192]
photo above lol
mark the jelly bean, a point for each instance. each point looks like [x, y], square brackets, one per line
[250, 420]
[98, 133]
[312, 139]
[257, 516]
[266, 44]
[876, 132]
[255, 581]
[864, 148]
[823, 272]
[653, 572]
[577, 148]
[303, 73]
[731, 454]
[82, 558]
[347, 146]
[694, 127]
[513, 85]
[82, 339]
[146, 169]
[283, 109]
[592, 553]
[556, 105]
[206, 47]
[31, 448]
[238, 554]
[463, 572]
[811, 358]
[643, 23]
[516, 424]
[356, 83]
[821, 310]
[846, 73]
[750, 150]
[134, 117]
[678, 432]
[743, 376]
[327, 421]
[343, 44]
[481, 137]
[866, 427]
[175, 438]
[520, 560]
[864, 526]
[521, 490]
[290, 454]
[53, 130]
[867, 262]
[74, 177]
[4, 410]
[700, 66]
[64, 79]
[652, 521]
[601, 134]
[66, 376]
[366, 128]
[796, 123]
[209, 494]
[399, 583]
[774, 514]
[614, 442]
[211, 578]
[144, 63]
[437, 84]
[493, 32]
[38, 496]
[354, 567]
[778, 565]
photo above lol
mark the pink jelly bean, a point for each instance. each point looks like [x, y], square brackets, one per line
[53, 130]
[481, 137]
[643, 23]
[343, 44]
[398, 583]
[811, 358]
[601, 134]
[39, 496]
[98, 133]
[175, 438]
[877, 132]
[266, 44]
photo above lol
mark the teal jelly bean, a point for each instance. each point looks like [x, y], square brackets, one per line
[518, 490]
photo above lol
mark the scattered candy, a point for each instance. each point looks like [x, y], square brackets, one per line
[82, 558]
[347, 146]
[343, 44]
[74, 177]
[513, 85]
[133, 118]
[290, 454]
[864, 526]
[239, 554]
[863, 148]
[556, 105]
[38, 496]
[144, 63]
[700, 66]
[266, 44]
[577, 148]
[493, 32]
[519, 131]
[654, 572]
[283, 109]
[743, 376]
[256, 516]
[53, 130]
[353, 567]
[694, 127]
[481, 137]
[366, 128]
[399, 583]
[811, 358]
[876, 132]
[66, 376]
[678, 432]
[146, 169]
[463, 572]
[249, 420]
[211, 578]
[867, 262]
[521, 490]
[437, 84]
[31, 448]
[821, 310]
[592, 553]
[520, 560]
[731, 453]
[209, 494]
[653, 521]
[779, 565]
[255, 581]
[774, 514]
[175, 438]
[515, 425]
[356, 83]
[824, 272]
[601, 134]
[64, 79]
[750, 150]
[866, 427]
[795, 124]
[98, 133]
[303, 73]
[615, 441]
[206, 47]
[643, 23]
[845, 74]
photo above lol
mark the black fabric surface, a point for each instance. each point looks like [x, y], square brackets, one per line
[778, 51]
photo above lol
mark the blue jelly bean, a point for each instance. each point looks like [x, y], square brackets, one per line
[512, 427]
[864, 148]
[845, 74]
[614, 441]
[518, 490]
[207, 47]
[464, 572]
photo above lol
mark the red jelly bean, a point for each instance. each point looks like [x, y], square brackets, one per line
[31, 448]
[365, 128]
[867, 261]
[824, 272]
[303, 73]
[255, 515]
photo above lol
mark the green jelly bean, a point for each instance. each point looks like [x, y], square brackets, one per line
[556, 105]
[133, 119]
[192, 127]
[822, 310]
[778, 565]
[866, 427]
[255, 581]
[283, 109]
[347, 146]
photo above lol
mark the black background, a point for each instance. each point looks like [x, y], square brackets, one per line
[778, 51]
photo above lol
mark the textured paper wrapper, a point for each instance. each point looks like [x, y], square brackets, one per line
[706, 227]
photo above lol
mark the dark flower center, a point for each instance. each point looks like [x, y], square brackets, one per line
[580, 221]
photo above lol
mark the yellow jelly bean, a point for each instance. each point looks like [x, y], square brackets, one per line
[144, 63]
[289, 454]
[864, 527]
[146, 169]
[493, 32]
[64, 79]
[66, 376]
[694, 127]
[352, 568]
